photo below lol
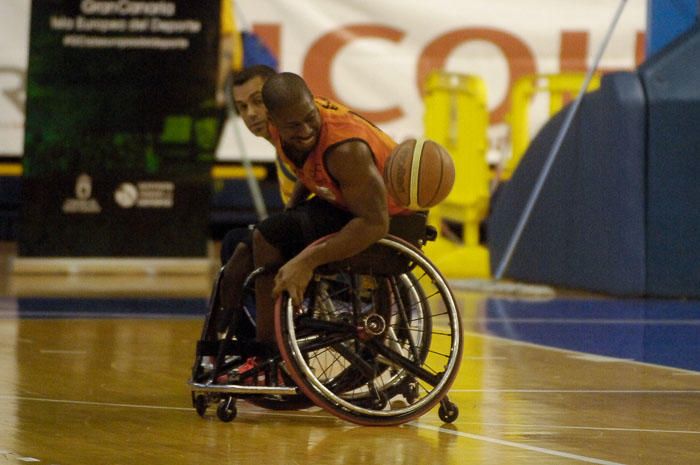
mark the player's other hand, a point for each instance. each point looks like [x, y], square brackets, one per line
[293, 278]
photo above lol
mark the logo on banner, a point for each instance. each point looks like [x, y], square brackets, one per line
[83, 201]
[147, 194]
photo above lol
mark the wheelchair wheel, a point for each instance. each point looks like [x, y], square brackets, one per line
[240, 329]
[374, 346]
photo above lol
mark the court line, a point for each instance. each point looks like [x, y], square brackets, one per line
[307, 414]
[594, 428]
[580, 391]
[93, 403]
[63, 352]
[501, 442]
[588, 321]
[534, 345]
[143, 406]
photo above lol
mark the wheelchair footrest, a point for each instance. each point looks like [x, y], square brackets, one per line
[233, 347]
[243, 389]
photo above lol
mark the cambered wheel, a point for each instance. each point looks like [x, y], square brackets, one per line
[200, 405]
[370, 335]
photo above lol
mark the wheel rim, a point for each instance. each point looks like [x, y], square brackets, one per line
[407, 352]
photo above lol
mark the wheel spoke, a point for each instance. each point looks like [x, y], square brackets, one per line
[405, 363]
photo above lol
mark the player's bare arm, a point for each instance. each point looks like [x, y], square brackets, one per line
[361, 184]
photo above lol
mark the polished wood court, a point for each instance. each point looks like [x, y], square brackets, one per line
[112, 390]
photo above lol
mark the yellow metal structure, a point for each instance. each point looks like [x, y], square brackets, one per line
[560, 88]
[456, 116]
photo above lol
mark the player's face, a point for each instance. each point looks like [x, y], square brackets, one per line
[299, 125]
[249, 103]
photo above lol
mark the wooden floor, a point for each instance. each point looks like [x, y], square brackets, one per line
[108, 388]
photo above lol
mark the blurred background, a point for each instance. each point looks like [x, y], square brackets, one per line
[144, 131]
[572, 225]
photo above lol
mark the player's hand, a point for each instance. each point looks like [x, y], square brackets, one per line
[293, 278]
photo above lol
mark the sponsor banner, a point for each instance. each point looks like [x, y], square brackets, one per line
[373, 55]
[121, 128]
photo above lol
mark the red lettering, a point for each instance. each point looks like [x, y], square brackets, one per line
[319, 59]
[572, 54]
[640, 48]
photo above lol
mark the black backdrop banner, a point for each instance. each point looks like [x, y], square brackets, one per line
[121, 128]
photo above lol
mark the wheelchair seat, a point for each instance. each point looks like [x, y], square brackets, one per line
[381, 260]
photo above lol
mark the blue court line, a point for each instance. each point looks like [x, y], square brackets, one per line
[36, 307]
[662, 332]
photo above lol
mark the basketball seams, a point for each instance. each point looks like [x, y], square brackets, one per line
[438, 161]
[416, 159]
[416, 171]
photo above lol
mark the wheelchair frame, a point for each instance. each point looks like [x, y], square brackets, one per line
[378, 341]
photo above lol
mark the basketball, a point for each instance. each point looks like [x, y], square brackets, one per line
[419, 174]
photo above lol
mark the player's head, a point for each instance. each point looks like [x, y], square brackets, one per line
[247, 97]
[290, 106]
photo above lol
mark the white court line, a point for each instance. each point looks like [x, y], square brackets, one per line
[307, 414]
[585, 428]
[98, 404]
[142, 406]
[588, 321]
[501, 442]
[63, 352]
[580, 391]
[415, 424]
[509, 341]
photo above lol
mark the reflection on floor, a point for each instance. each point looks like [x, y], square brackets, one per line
[662, 332]
[87, 361]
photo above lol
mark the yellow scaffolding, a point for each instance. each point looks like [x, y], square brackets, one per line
[456, 116]
[559, 87]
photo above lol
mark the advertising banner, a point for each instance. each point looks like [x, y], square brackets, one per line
[121, 128]
[373, 55]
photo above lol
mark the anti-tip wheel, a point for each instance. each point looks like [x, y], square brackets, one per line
[201, 404]
[448, 412]
[226, 411]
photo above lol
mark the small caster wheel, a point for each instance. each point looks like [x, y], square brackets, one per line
[448, 412]
[226, 411]
[411, 392]
[380, 403]
[201, 404]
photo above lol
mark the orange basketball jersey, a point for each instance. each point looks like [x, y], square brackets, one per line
[339, 124]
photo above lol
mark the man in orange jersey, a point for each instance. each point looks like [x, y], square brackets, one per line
[336, 155]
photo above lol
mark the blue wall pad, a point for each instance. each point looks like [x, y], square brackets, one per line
[620, 211]
[671, 79]
[587, 228]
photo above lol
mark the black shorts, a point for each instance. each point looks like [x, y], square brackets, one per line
[233, 238]
[292, 230]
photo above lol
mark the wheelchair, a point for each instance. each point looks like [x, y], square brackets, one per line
[377, 340]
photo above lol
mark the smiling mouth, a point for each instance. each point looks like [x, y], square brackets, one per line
[305, 141]
[259, 127]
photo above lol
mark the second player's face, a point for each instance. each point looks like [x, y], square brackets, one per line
[299, 125]
[249, 103]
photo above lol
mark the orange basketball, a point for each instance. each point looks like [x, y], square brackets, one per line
[419, 174]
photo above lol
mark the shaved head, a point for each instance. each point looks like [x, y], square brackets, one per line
[285, 90]
[292, 110]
